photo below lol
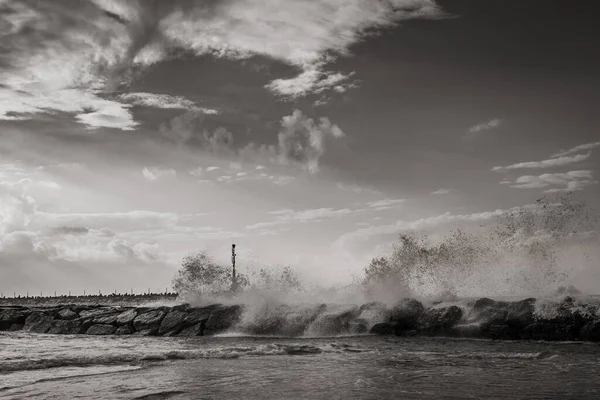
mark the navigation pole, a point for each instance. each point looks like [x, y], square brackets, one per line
[233, 277]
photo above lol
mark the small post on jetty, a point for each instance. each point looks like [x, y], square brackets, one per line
[233, 276]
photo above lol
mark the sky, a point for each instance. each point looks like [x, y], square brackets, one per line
[309, 133]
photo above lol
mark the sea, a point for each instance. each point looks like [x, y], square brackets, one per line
[234, 366]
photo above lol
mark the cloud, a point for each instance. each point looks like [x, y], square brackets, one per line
[441, 191]
[300, 142]
[292, 216]
[553, 162]
[485, 126]
[311, 82]
[576, 149]
[385, 204]
[163, 101]
[72, 57]
[155, 173]
[572, 181]
[211, 168]
[197, 172]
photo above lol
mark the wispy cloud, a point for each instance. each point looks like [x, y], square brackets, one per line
[291, 216]
[155, 173]
[570, 181]
[385, 204]
[552, 162]
[163, 101]
[441, 191]
[491, 124]
[72, 57]
[576, 149]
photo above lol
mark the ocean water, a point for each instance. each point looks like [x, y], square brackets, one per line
[240, 367]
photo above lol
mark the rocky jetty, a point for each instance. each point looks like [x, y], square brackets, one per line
[566, 319]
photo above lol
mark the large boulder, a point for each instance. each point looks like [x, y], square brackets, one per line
[405, 314]
[126, 317]
[101, 329]
[222, 319]
[124, 330]
[67, 327]
[333, 323]
[10, 317]
[174, 321]
[38, 322]
[436, 321]
[194, 330]
[489, 311]
[67, 314]
[520, 313]
[97, 312]
[149, 320]
[590, 332]
[383, 328]
[106, 319]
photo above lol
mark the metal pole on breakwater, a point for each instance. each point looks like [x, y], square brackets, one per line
[233, 275]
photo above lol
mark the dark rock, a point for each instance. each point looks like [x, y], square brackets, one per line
[97, 312]
[198, 315]
[358, 327]
[9, 317]
[38, 322]
[546, 331]
[124, 330]
[15, 327]
[101, 329]
[473, 330]
[333, 323]
[148, 320]
[126, 317]
[67, 327]
[180, 307]
[490, 311]
[109, 319]
[383, 328]
[194, 330]
[590, 332]
[173, 321]
[222, 319]
[374, 305]
[147, 332]
[501, 332]
[520, 313]
[67, 314]
[405, 315]
[435, 321]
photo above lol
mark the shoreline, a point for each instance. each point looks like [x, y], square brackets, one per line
[564, 320]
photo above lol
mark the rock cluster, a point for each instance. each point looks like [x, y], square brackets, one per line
[487, 318]
[180, 320]
[483, 318]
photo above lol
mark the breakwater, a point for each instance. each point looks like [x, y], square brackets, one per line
[564, 319]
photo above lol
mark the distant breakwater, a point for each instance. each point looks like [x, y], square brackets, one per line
[567, 319]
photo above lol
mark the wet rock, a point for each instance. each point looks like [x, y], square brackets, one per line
[405, 314]
[15, 327]
[435, 321]
[101, 329]
[149, 320]
[590, 332]
[358, 327]
[126, 317]
[67, 314]
[194, 330]
[520, 313]
[222, 319]
[38, 322]
[473, 330]
[97, 312]
[501, 332]
[9, 317]
[181, 307]
[109, 319]
[490, 311]
[333, 323]
[147, 332]
[67, 327]
[124, 330]
[173, 321]
[383, 328]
